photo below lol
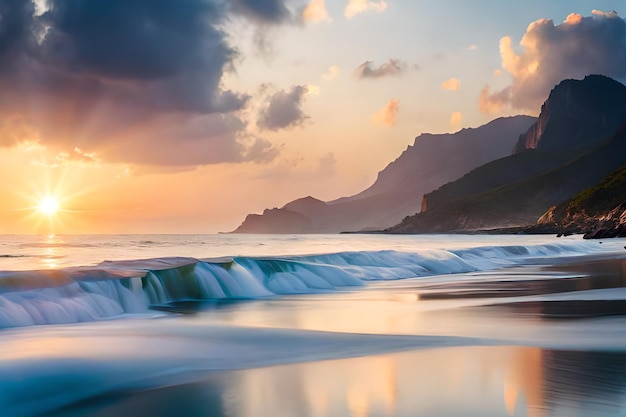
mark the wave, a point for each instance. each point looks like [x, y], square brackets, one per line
[113, 289]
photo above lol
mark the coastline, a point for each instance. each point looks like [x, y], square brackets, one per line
[332, 353]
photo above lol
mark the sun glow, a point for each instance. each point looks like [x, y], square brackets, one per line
[48, 206]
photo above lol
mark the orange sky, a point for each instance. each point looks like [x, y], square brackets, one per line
[245, 107]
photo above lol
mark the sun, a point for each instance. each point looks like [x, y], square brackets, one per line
[48, 206]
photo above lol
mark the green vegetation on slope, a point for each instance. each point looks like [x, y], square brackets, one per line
[602, 198]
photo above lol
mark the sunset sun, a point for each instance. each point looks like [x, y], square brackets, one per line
[48, 206]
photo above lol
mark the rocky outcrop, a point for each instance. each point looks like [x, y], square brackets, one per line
[397, 192]
[596, 212]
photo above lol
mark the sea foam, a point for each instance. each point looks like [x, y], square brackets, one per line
[111, 289]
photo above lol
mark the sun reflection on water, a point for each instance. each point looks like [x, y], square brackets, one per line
[51, 253]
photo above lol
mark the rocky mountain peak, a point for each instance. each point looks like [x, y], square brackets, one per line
[577, 113]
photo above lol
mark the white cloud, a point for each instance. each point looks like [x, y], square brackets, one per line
[355, 7]
[549, 53]
[332, 73]
[313, 90]
[453, 84]
[316, 11]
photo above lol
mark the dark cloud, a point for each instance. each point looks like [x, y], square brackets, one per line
[18, 31]
[109, 75]
[284, 109]
[391, 68]
[173, 50]
[264, 11]
[139, 39]
[579, 46]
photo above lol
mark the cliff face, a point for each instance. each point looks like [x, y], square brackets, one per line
[576, 114]
[434, 160]
[430, 162]
[516, 190]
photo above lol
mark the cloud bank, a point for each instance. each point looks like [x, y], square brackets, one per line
[112, 76]
[549, 53]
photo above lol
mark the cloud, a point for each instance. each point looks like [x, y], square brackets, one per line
[388, 114]
[284, 109]
[133, 82]
[456, 119]
[332, 73]
[313, 90]
[391, 68]
[261, 151]
[75, 156]
[316, 11]
[355, 7]
[326, 165]
[15, 130]
[493, 103]
[472, 47]
[453, 84]
[262, 11]
[549, 53]
[174, 60]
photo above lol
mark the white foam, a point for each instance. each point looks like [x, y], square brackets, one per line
[120, 288]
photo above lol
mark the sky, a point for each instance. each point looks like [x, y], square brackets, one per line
[183, 116]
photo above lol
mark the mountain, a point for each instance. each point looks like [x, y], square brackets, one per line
[577, 114]
[276, 221]
[597, 212]
[397, 192]
[550, 163]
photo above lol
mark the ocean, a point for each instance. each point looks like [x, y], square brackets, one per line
[312, 325]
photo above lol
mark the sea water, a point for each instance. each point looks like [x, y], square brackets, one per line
[311, 325]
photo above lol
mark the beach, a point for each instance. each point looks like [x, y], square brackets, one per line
[537, 332]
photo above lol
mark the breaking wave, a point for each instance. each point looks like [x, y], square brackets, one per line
[112, 289]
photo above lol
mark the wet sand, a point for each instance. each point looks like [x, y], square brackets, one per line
[581, 278]
[471, 381]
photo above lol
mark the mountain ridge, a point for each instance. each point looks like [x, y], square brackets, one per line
[431, 161]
